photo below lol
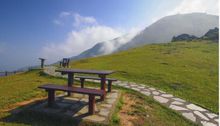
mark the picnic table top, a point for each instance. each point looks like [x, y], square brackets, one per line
[84, 71]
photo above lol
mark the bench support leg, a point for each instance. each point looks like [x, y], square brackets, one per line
[91, 104]
[70, 81]
[51, 97]
[109, 86]
[82, 80]
[103, 84]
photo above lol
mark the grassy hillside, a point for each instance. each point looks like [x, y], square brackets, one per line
[21, 88]
[186, 69]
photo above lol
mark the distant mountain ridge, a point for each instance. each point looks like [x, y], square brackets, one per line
[212, 34]
[161, 31]
[184, 37]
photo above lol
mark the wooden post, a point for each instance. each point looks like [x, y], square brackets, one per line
[91, 104]
[103, 84]
[109, 85]
[60, 63]
[42, 62]
[82, 80]
[51, 97]
[70, 81]
[6, 73]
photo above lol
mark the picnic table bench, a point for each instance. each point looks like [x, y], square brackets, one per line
[101, 73]
[83, 78]
[51, 88]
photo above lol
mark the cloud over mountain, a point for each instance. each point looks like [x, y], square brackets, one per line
[85, 34]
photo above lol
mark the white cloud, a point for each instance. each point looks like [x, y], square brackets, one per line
[57, 22]
[86, 33]
[64, 14]
[80, 20]
[189, 6]
[81, 39]
[112, 45]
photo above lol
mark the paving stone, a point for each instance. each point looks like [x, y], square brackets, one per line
[177, 103]
[161, 91]
[152, 89]
[127, 86]
[69, 113]
[136, 89]
[161, 99]
[69, 101]
[104, 112]
[201, 115]
[112, 95]
[211, 115]
[76, 95]
[155, 93]
[178, 99]
[145, 90]
[195, 107]
[146, 93]
[95, 118]
[85, 110]
[63, 105]
[84, 100]
[141, 87]
[75, 106]
[167, 95]
[106, 105]
[178, 108]
[189, 116]
[205, 123]
[110, 101]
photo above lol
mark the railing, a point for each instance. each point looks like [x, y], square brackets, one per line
[8, 73]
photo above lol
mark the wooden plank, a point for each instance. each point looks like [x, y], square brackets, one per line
[95, 78]
[83, 71]
[73, 89]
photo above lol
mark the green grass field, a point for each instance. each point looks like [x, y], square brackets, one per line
[21, 87]
[185, 69]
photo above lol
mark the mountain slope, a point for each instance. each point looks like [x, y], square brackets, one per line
[163, 30]
[186, 69]
[159, 32]
[106, 47]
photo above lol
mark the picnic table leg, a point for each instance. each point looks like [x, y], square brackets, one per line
[91, 104]
[103, 83]
[51, 97]
[82, 82]
[109, 85]
[70, 81]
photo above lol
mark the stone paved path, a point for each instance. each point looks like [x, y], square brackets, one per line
[189, 110]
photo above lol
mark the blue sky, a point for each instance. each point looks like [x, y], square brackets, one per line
[61, 28]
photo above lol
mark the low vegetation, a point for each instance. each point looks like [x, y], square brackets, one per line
[185, 69]
[21, 88]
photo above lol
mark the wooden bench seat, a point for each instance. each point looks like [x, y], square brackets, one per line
[82, 80]
[51, 88]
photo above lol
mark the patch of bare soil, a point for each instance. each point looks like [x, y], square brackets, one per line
[132, 112]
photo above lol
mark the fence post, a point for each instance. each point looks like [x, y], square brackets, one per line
[6, 73]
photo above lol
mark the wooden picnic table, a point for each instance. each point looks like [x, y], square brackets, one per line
[101, 73]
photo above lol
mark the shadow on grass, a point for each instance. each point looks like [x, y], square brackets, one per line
[30, 115]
